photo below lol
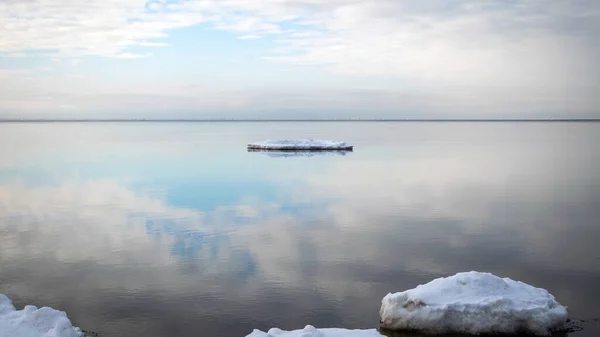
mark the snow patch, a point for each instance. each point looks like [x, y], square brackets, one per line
[300, 144]
[311, 331]
[34, 322]
[473, 303]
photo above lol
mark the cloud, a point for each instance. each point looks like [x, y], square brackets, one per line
[249, 37]
[153, 44]
[103, 28]
[13, 55]
[249, 24]
[132, 55]
[523, 54]
[408, 36]
[8, 73]
[470, 57]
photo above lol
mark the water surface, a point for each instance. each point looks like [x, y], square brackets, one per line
[174, 229]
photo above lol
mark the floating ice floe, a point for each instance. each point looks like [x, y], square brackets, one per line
[295, 153]
[34, 322]
[473, 303]
[310, 331]
[300, 145]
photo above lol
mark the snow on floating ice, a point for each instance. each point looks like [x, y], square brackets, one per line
[34, 322]
[310, 331]
[300, 144]
[473, 303]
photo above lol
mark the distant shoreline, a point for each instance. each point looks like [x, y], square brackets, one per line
[289, 120]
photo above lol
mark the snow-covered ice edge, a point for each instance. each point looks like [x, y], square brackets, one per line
[34, 322]
[310, 331]
[300, 145]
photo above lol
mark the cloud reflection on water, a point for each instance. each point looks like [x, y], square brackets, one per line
[335, 236]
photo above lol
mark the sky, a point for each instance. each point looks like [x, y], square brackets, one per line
[299, 59]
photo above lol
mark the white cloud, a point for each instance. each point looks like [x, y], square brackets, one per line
[13, 55]
[249, 24]
[249, 37]
[132, 55]
[470, 56]
[522, 44]
[153, 44]
[103, 28]
[408, 35]
[8, 73]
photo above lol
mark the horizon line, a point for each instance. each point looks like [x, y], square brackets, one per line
[40, 120]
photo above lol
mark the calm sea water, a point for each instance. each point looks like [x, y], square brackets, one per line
[173, 229]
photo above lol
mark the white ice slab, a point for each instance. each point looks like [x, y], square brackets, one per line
[473, 303]
[34, 322]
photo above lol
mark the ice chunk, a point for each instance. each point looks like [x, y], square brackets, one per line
[34, 322]
[300, 153]
[473, 303]
[310, 331]
[300, 144]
